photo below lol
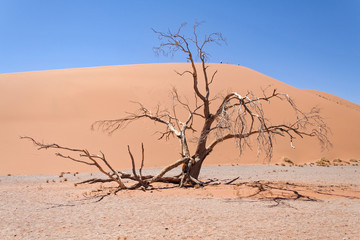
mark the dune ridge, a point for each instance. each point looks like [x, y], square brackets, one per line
[60, 105]
[335, 99]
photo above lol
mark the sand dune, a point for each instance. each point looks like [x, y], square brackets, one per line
[60, 105]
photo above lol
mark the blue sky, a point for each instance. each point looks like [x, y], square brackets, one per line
[313, 44]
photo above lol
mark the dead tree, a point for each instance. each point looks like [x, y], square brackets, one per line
[235, 117]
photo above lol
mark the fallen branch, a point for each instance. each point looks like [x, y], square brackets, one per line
[231, 181]
[100, 162]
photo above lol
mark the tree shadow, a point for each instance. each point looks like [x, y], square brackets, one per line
[276, 191]
[279, 191]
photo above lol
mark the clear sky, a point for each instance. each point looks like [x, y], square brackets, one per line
[313, 44]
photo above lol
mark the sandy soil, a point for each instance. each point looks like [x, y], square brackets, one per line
[31, 208]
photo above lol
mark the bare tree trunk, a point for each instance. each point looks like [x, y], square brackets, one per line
[201, 150]
[195, 168]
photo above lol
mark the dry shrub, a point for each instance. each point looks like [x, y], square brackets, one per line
[288, 160]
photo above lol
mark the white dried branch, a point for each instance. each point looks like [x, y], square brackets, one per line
[162, 117]
[240, 117]
[85, 153]
[169, 168]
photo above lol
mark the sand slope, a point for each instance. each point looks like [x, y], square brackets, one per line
[60, 105]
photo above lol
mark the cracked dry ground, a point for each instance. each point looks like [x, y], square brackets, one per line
[266, 202]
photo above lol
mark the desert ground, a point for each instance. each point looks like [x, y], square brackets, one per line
[50, 207]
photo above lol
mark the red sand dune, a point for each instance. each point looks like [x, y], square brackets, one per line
[60, 105]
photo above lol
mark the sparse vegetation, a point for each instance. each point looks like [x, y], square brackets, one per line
[61, 175]
[337, 162]
[323, 162]
[288, 160]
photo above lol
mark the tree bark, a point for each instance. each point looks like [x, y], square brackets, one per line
[195, 168]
